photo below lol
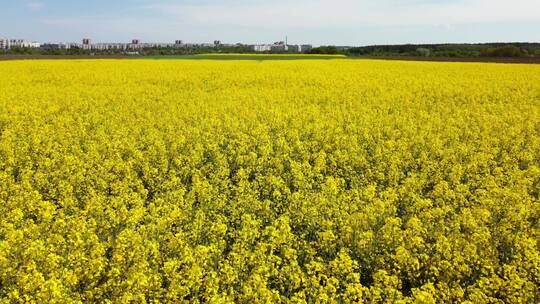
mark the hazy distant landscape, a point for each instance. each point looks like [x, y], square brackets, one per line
[483, 50]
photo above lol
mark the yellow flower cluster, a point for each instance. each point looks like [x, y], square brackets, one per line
[340, 181]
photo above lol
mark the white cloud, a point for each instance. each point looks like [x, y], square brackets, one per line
[308, 21]
[347, 13]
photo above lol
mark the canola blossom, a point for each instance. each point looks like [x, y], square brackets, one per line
[311, 181]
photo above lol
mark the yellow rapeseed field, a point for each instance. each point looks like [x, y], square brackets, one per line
[311, 181]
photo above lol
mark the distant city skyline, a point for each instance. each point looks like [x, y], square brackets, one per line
[319, 22]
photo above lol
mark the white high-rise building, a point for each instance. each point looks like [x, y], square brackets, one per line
[17, 43]
[262, 47]
[280, 46]
[4, 43]
[86, 44]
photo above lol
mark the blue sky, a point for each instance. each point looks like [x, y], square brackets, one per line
[341, 22]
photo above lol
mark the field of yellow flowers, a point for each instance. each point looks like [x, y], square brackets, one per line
[312, 181]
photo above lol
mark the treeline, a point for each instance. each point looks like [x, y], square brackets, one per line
[328, 50]
[156, 51]
[437, 50]
[414, 50]
[449, 50]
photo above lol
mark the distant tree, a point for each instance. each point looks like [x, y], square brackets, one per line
[423, 52]
[504, 51]
[329, 50]
[450, 50]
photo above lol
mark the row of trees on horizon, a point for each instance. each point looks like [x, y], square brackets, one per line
[415, 50]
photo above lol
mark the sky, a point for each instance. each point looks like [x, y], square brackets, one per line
[319, 22]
